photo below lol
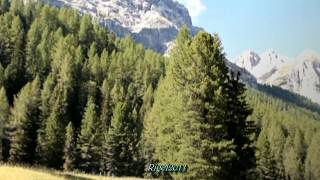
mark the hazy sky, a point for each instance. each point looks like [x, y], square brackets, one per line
[287, 26]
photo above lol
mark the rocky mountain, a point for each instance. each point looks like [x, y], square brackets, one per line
[155, 23]
[300, 75]
[262, 66]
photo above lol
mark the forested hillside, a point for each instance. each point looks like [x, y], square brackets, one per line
[288, 144]
[74, 96]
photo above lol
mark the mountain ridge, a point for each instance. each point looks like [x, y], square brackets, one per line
[154, 23]
[300, 75]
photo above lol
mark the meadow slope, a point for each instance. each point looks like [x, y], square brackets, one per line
[9, 172]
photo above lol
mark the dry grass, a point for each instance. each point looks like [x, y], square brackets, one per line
[10, 172]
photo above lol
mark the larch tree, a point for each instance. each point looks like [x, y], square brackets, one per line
[198, 133]
[14, 72]
[70, 149]
[267, 164]
[312, 163]
[4, 122]
[90, 138]
[118, 148]
[25, 119]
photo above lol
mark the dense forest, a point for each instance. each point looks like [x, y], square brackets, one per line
[74, 96]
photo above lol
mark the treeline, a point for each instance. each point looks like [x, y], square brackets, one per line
[74, 96]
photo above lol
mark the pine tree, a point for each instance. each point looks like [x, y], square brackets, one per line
[38, 50]
[194, 127]
[267, 164]
[239, 129]
[70, 153]
[292, 161]
[51, 138]
[90, 139]
[25, 117]
[313, 159]
[277, 142]
[4, 115]
[14, 72]
[118, 157]
[33, 39]
[46, 97]
[86, 31]
[106, 105]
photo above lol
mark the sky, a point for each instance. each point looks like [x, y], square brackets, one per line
[287, 26]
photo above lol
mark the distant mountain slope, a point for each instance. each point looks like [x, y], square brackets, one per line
[289, 97]
[155, 23]
[300, 75]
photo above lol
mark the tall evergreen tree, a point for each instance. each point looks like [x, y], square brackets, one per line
[25, 117]
[14, 72]
[292, 161]
[267, 164]
[277, 142]
[52, 138]
[200, 132]
[70, 153]
[33, 39]
[90, 139]
[106, 105]
[86, 31]
[240, 129]
[118, 154]
[313, 159]
[4, 116]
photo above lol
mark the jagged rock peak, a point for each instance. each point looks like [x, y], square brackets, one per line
[154, 23]
[134, 14]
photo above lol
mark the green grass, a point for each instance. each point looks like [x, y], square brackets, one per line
[11, 172]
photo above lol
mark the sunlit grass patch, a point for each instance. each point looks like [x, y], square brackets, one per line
[12, 172]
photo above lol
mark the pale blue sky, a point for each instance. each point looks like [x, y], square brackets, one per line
[287, 26]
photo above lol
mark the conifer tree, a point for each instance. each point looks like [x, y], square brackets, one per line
[277, 142]
[118, 157]
[90, 139]
[70, 153]
[313, 159]
[33, 39]
[46, 97]
[14, 72]
[267, 164]
[86, 31]
[38, 51]
[25, 117]
[292, 161]
[106, 105]
[4, 115]
[240, 129]
[195, 127]
[51, 138]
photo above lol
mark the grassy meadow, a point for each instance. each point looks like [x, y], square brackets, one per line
[11, 172]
